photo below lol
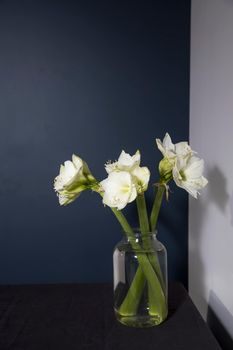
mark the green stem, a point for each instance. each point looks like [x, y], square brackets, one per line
[130, 304]
[157, 298]
[145, 228]
[158, 306]
[133, 297]
[142, 214]
[153, 258]
[156, 206]
[124, 223]
[131, 301]
[153, 222]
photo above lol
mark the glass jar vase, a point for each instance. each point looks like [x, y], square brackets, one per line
[140, 280]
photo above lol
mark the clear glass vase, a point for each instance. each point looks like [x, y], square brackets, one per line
[140, 280]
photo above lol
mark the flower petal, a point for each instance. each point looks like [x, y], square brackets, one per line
[182, 149]
[167, 142]
[110, 167]
[187, 174]
[78, 162]
[133, 194]
[195, 167]
[160, 146]
[167, 148]
[128, 162]
[118, 189]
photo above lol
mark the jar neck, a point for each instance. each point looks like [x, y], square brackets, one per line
[139, 236]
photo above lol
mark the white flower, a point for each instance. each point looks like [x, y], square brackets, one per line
[187, 174]
[119, 189]
[170, 150]
[74, 177]
[171, 153]
[182, 165]
[125, 162]
[68, 173]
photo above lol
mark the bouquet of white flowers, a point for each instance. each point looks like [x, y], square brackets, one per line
[127, 181]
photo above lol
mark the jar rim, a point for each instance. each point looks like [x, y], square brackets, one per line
[137, 231]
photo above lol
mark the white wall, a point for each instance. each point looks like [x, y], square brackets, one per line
[211, 134]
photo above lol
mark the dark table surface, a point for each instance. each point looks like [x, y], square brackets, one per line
[80, 316]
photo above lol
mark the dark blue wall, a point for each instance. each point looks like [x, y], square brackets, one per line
[90, 78]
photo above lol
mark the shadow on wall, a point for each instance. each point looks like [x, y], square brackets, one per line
[217, 195]
[216, 311]
[231, 208]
